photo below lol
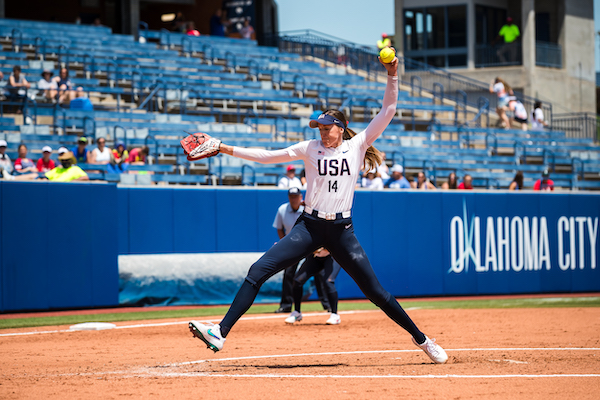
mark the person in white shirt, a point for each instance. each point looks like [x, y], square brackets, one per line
[502, 90]
[372, 181]
[290, 179]
[538, 122]
[519, 110]
[101, 154]
[332, 165]
[5, 162]
[49, 87]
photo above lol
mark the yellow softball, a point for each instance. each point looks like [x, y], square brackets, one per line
[387, 55]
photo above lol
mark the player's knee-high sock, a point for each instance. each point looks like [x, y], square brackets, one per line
[242, 302]
[393, 310]
[333, 301]
[297, 290]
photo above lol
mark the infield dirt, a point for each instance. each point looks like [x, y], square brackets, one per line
[545, 353]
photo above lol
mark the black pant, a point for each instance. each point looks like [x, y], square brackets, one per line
[306, 236]
[287, 288]
[325, 269]
[287, 294]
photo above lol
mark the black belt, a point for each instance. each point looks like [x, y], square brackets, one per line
[327, 216]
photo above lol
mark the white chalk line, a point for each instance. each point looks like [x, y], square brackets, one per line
[134, 326]
[337, 353]
[443, 376]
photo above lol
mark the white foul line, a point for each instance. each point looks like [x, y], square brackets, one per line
[336, 353]
[261, 317]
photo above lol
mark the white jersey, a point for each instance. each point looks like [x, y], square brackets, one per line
[520, 111]
[332, 173]
[538, 118]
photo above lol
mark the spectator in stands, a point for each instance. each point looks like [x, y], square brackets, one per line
[508, 33]
[545, 184]
[247, 30]
[517, 182]
[5, 162]
[23, 164]
[138, 156]
[520, 114]
[502, 90]
[48, 86]
[537, 119]
[451, 182]
[372, 180]
[61, 150]
[422, 183]
[290, 179]
[397, 180]
[80, 151]
[65, 87]
[467, 183]
[217, 25]
[101, 154]
[97, 22]
[382, 169]
[17, 86]
[67, 171]
[81, 102]
[385, 41]
[191, 29]
[45, 164]
[178, 24]
[120, 153]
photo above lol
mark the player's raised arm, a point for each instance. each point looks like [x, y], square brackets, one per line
[388, 108]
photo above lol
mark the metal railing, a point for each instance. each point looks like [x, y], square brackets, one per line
[498, 56]
[548, 54]
[578, 125]
[336, 50]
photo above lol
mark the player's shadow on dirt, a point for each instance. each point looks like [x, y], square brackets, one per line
[286, 366]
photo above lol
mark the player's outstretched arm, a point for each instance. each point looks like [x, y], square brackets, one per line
[201, 145]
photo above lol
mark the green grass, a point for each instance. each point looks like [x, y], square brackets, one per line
[198, 313]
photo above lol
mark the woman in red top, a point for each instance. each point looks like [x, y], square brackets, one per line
[45, 164]
[24, 164]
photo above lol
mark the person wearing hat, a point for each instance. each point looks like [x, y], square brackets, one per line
[545, 183]
[333, 163]
[397, 180]
[5, 162]
[48, 85]
[45, 163]
[80, 151]
[290, 179]
[509, 33]
[385, 41]
[67, 171]
[286, 217]
[120, 153]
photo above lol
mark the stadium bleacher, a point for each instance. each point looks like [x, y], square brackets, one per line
[152, 91]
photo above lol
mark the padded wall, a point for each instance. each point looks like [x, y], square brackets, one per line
[58, 246]
[407, 235]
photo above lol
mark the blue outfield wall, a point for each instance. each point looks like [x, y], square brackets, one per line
[60, 242]
[420, 243]
[58, 246]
